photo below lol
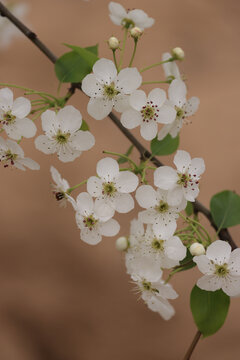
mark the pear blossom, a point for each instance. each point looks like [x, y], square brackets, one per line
[197, 249]
[170, 68]
[62, 134]
[108, 89]
[158, 211]
[129, 19]
[221, 268]
[183, 182]
[178, 53]
[60, 188]
[11, 154]
[148, 112]
[135, 240]
[94, 219]
[113, 186]
[184, 108]
[13, 115]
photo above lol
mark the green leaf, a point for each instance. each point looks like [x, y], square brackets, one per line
[209, 309]
[75, 65]
[225, 209]
[166, 146]
[84, 126]
[122, 160]
[189, 208]
[187, 262]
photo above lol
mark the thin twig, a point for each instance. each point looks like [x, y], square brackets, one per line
[192, 346]
[144, 153]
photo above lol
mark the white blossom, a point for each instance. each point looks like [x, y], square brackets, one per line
[113, 186]
[122, 243]
[184, 108]
[108, 89]
[60, 187]
[11, 154]
[159, 212]
[178, 53]
[94, 219]
[170, 68]
[62, 134]
[13, 115]
[197, 249]
[148, 112]
[183, 182]
[113, 43]
[129, 19]
[221, 268]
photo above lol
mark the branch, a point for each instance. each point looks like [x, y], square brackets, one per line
[192, 346]
[144, 153]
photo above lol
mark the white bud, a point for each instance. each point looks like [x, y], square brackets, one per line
[113, 43]
[136, 32]
[197, 249]
[122, 243]
[178, 53]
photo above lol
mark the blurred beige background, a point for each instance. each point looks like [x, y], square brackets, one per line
[61, 299]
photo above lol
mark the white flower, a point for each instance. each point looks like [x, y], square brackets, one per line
[197, 249]
[170, 68]
[94, 219]
[221, 268]
[62, 134]
[148, 112]
[177, 95]
[112, 186]
[129, 19]
[12, 154]
[183, 182]
[13, 116]
[108, 89]
[159, 212]
[60, 187]
[8, 30]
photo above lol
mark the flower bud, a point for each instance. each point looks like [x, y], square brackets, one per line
[178, 53]
[197, 249]
[122, 243]
[136, 32]
[113, 43]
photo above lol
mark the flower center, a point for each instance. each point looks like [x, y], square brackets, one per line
[180, 113]
[149, 112]
[183, 179]
[59, 195]
[127, 23]
[90, 222]
[110, 91]
[109, 189]
[162, 207]
[147, 286]
[221, 270]
[62, 138]
[158, 244]
[8, 118]
[9, 157]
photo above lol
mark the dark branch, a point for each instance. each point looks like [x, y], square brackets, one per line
[144, 153]
[192, 346]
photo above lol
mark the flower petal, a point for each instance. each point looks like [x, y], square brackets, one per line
[66, 153]
[175, 196]
[70, 119]
[91, 86]
[109, 228]
[131, 119]
[149, 130]
[94, 186]
[91, 237]
[234, 263]
[44, 144]
[191, 106]
[121, 103]
[166, 114]
[107, 169]
[128, 80]
[99, 108]
[146, 196]
[82, 140]
[165, 177]
[219, 251]
[31, 164]
[26, 127]
[197, 167]
[231, 286]
[138, 99]
[175, 249]
[157, 96]
[6, 99]
[177, 92]
[124, 203]
[209, 283]
[105, 71]
[117, 9]
[182, 160]
[164, 131]
[21, 107]
[126, 182]
[103, 210]
[204, 264]
[191, 192]
[85, 204]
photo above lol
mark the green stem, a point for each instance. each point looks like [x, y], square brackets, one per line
[121, 155]
[76, 186]
[134, 52]
[123, 48]
[30, 91]
[190, 220]
[157, 64]
[156, 82]
[115, 60]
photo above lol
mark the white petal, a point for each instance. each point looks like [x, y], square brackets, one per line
[127, 182]
[191, 106]
[129, 79]
[176, 127]
[103, 209]
[82, 140]
[94, 186]
[166, 114]
[31, 164]
[14, 147]
[175, 196]
[175, 249]
[219, 251]
[66, 153]
[149, 130]
[85, 204]
[164, 131]
[166, 290]
[44, 144]
[131, 119]
[21, 107]
[197, 167]
[50, 123]
[157, 96]
[165, 177]
[91, 237]
[191, 192]
[146, 196]
[109, 228]
[170, 68]
[148, 22]
[70, 119]
[12, 131]
[117, 20]
[234, 263]
[144, 267]
[6, 99]
[91, 86]
[117, 9]
[204, 264]
[99, 108]
[177, 92]
[124, 203]
[231, 286]
[182, 160]
[136, 227]
[138, 99]
[209, 283]
[105, 71]
[162, 306]
[107, 169]
[165, 227]
[26, 127]
[121, 103]
[148, 216]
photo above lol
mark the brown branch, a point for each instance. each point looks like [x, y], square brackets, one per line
[144, 153]
[192, 346]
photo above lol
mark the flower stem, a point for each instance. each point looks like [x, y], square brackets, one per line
[156, 82]
[29, 91]
[121, 155]
[115, 60]
[157, 64]
[192, 346]
[190, 221]
[76, 186]
[134, 52]
[123, 48]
